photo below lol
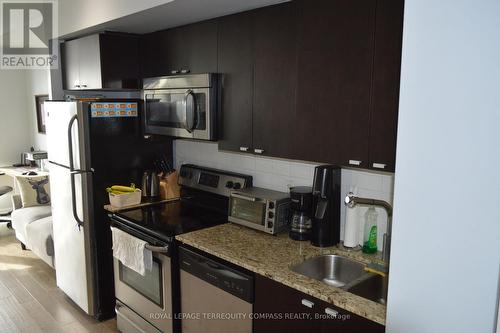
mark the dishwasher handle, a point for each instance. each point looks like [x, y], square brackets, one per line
[225, 277]
[216, 269]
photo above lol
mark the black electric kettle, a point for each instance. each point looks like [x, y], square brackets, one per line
[326, 206]
[150, 185]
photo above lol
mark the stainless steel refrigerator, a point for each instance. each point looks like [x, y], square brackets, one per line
[92, 144]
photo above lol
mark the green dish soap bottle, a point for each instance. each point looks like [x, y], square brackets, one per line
[370, 231]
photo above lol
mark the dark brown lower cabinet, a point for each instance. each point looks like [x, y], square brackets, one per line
[281, 309]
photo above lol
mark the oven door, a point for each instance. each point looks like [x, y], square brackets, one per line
[179, 112]
[149, 296]
[247, 211]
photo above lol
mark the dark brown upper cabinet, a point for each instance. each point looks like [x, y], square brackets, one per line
[101, 61]
[325, 79]
[275, 80]
[187, 49]
[305, 313]
[385, 88]
[257, 60]
[335, 68]
[236, 58]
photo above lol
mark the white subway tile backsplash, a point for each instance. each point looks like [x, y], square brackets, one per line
[302, 170]
[272, 166]
[388, 182]
[280, 175]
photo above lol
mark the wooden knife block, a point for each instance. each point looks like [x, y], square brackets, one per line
[169, 189]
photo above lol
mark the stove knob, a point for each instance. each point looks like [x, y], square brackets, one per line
[269, 224]
[237, 186]
[270, 215]
[271, 205]
[229, 184]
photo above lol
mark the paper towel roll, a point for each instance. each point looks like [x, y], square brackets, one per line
[351, 228]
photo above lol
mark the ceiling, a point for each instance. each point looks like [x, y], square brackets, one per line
[172, 14]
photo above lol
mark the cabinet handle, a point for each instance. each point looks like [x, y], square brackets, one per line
[245, 149]
[355, 162]
[379, 165]
[185, 71]
[175, 71]
[307, 303]
[258, 151]
[331, 312]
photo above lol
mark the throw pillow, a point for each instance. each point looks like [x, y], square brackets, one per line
[35, 191]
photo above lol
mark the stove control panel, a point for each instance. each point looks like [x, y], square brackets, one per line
[212, 180]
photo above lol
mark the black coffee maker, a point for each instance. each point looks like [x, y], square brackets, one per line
[326, 206]
[301, 208]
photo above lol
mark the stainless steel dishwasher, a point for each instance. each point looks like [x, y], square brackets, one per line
[214, 297]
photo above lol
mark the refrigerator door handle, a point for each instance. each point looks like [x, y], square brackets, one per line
[70, 143]
[73, 199]
[70, 148]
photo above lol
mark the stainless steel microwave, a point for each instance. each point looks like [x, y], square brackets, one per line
[260, 209]
[183, 106]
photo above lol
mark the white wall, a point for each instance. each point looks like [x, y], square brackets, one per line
[498, 320]
[18, 124]
[445, 245]
[15, 122]
[88, 16]
[280, 175]
[75, 15]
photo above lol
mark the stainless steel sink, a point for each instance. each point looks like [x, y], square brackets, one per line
[331, 269]
[372, 287]
[342, 272]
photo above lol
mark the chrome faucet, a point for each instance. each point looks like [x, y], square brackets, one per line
[351, 201]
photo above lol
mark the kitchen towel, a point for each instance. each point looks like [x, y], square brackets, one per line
[131, 251]
[351, 227]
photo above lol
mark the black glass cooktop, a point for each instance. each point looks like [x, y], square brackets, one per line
[167, 220]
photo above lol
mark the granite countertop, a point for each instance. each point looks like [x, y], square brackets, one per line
[271, 256]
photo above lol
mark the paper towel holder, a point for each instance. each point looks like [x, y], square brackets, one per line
[350, 227]
[349, 249]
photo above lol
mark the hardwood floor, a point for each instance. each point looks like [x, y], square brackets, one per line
[29, 298]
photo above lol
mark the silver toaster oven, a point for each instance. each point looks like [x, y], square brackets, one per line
[260, 209]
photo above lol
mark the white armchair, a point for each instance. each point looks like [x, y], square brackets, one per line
[33, 228]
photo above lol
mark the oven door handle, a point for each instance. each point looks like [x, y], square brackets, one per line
[158, 249]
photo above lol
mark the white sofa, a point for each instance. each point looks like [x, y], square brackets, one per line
[33, 227]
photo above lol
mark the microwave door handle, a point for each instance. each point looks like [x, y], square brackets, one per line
[190, 105]
[148, 98]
